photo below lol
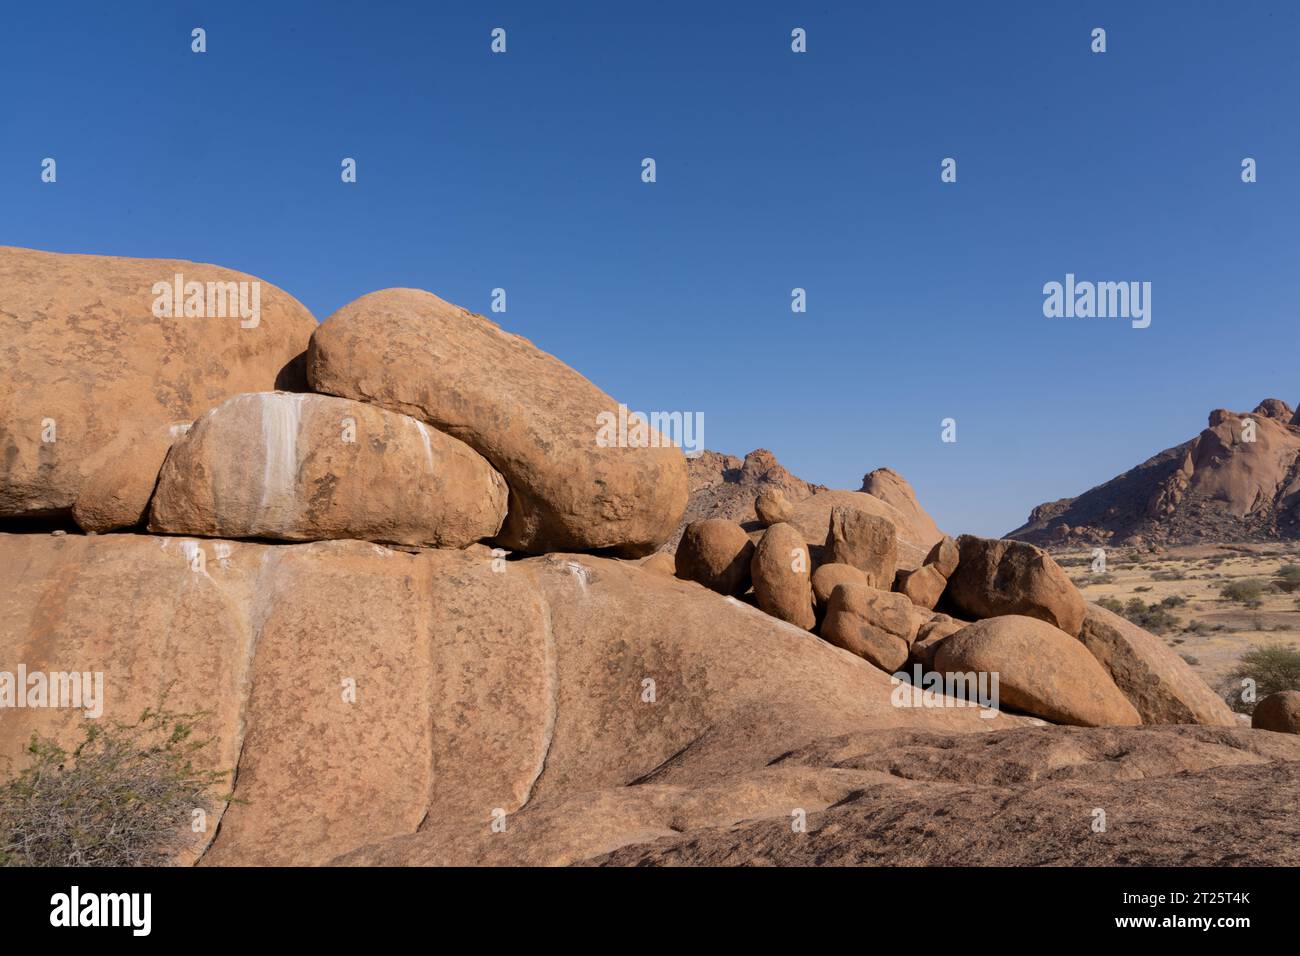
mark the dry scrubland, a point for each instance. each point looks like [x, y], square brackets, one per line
[1209, 630]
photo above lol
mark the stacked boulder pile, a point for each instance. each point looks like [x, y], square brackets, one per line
[402, 419]
[247, 513]
[972, 605]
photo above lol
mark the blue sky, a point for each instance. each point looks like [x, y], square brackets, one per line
[775, 171]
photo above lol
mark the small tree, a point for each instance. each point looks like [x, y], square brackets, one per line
[1272, 667]
[124, 797]
[1248, 592]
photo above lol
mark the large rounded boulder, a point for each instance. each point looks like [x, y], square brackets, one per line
[583, 472]
[997, 576]
[101, 355]
[717, 553]
[313, 467]
[781, 575]
[1041, 671]
[1159, 683]
[1278, 712]
[875, 625]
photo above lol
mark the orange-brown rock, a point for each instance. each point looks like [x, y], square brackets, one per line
[1041, 670]
[923, 587]
[875, 625]
[895, 490]
[827, 576]
[1279, 712]
[866, 541]
[929, 636]
[1237, 480]
[772, 507]
[998, 576]
[116, 495]
[363, 693]
[781, 572]
[812, 517]
[1159, 683]
[661, 562]
[944, 556]
[87, 367]
[579, 480]
[716, 553]
[312, 467]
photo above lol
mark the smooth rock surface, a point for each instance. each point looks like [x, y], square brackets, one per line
[573, 485]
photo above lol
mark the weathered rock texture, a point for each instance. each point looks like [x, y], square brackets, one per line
[1175, 796]
[873, 624]
[473, 689]
[535, 419]
[997, 576]
[812, 517]
[1159, 683]
[716, 553]
[781, 572]
[1279, 712]
[866, 541]
[314, 467]
[84, 361]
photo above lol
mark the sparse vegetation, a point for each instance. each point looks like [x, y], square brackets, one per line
[1153, 617]
[1249, 592]
[124, 797]
[1272, 667]
[1288, 577]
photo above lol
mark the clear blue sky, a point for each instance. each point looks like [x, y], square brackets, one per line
[775, 170]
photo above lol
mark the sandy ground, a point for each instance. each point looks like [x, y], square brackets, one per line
[1210, 632]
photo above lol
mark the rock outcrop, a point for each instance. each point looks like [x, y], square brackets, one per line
[1176, 796]
[575, 482]
[312, 467]
[94, 365]
[1238, 480]
[359, 690]
[724, 486]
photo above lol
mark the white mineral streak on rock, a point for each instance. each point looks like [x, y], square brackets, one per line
[281, 419]
[428, 446]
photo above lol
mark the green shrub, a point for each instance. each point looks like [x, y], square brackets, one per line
[1249, 592]
[1288, 577]
[1273, 667]
[1152, 617]
[124, 797]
